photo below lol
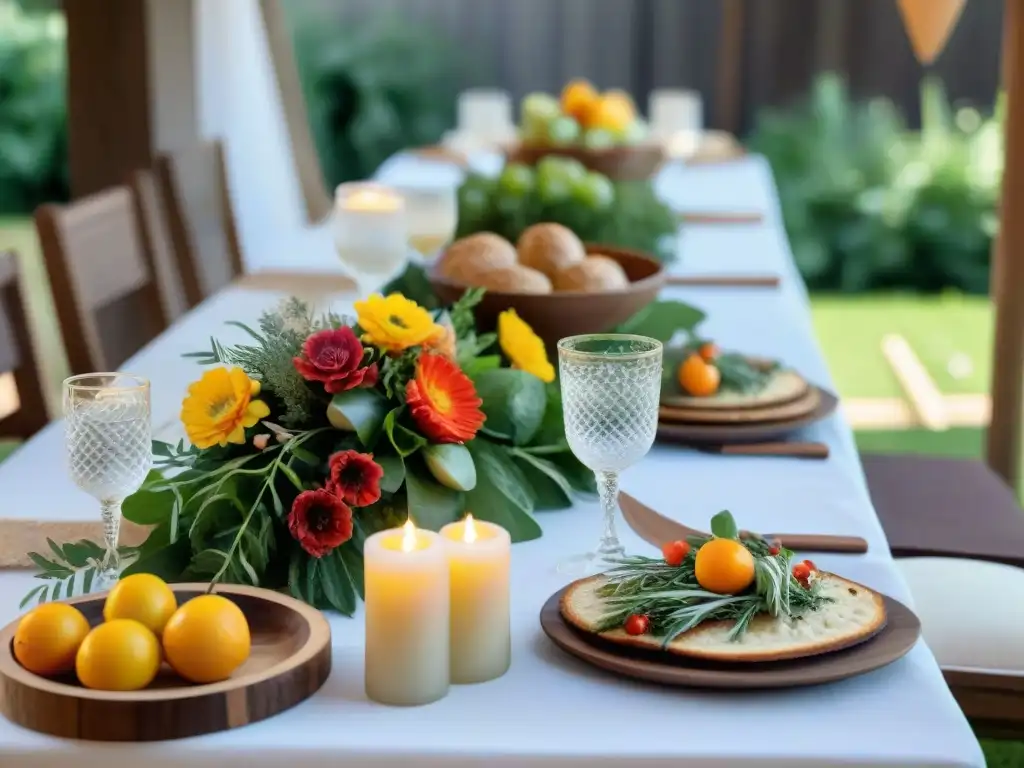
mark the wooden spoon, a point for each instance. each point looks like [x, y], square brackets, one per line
[654, 528]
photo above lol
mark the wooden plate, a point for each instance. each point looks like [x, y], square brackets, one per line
[899, 635]
[792, 410]
[290, 660]
[738, 434]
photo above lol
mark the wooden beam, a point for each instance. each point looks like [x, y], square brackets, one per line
[1005, 431]
[729, 90]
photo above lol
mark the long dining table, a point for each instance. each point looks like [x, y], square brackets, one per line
[550, 709]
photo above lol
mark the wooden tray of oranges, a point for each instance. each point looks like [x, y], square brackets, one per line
[186, 664]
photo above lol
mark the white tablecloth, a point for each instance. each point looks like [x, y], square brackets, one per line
[551, 710]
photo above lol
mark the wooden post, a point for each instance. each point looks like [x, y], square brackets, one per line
[1005, 430]
[131, 87]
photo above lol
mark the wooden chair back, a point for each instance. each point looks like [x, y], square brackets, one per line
[21, 393]
[101, 272]
[194, 185]
[151, 209]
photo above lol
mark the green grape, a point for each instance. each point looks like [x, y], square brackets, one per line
[516, 180]
[594, 191]
[563, 130]
[598, 138]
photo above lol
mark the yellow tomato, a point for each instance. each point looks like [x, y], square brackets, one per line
[724, 566]
[613, 113]
[48, 637]
[143, 597]
[207, 639]
[120, 655]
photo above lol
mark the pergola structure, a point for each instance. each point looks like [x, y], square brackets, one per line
[147, 76]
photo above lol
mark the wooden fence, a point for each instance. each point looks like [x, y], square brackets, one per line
[741, 54]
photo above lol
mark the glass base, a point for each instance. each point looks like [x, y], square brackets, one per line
[589, 564]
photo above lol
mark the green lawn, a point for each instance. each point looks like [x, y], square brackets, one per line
[949, 332]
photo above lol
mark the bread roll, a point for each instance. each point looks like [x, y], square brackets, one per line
[593, 274]
[469, 257]
[514, 279]
[549, 248]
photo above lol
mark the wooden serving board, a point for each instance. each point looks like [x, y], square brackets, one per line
[693, 433]
[898, 636]
[791, 410]
[290, 660]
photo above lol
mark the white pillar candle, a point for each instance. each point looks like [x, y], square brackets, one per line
[478, 561]
[406, 575]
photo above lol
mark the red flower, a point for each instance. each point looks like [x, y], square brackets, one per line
[354, 477]
[443, 401]
[333, 356]
[320, 521]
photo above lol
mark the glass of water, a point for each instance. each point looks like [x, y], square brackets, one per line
[611, 387]
[370, 232]
[433, 216]
[107, 435]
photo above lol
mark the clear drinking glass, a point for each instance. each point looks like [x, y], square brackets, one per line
[485, 114]
[432, 215]
[107, 435]
[677, 119]
[370, 232]
[611, 387]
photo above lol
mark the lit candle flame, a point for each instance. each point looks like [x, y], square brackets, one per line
[408, 536]
[469, 530]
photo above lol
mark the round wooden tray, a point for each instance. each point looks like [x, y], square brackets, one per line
[739, 434]
[892, 642]
[794, 409]
[290, 660]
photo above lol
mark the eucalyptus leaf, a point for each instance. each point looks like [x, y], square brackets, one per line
[359, 410]
[394, 471]
[431, 505]
[723, 525]
[551, 489]
[514, 402]
[336, 584]
[662, 320]
[501, 495]
[404, 440]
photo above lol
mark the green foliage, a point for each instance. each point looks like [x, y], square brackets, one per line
[635, 218]
[373, 89]
[870, 205]
[33, 109]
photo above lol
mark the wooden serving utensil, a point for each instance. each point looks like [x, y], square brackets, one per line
[725, 281]
[798, 450]
[720, 217]
[654, 528]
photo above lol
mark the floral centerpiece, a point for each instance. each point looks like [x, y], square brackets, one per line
[323, 430]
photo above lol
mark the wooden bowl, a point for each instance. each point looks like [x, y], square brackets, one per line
[290, 660]
[554, 316]
[637, 162]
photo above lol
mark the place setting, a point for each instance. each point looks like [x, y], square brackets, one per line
[721, 608]
[732, 403]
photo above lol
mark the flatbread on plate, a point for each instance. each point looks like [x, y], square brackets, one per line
[784, 385]
[794, 409]
[854, 615]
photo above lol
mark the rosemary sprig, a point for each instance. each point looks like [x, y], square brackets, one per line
[674, 602]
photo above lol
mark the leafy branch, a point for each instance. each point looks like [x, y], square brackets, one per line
[70, 570]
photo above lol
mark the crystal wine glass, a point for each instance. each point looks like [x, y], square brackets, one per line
[433, 215]
[370, 232]
[107, 434]
[611, 386]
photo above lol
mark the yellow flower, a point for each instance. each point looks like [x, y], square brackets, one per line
[523, 347]
[220, 406]
[394, 323]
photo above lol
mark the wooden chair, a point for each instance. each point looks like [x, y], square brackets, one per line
[25, 406]
[194, 185]
[101, 271]
[151, 210]
[957, 532]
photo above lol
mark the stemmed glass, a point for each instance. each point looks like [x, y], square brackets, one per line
[370, 232]
[433, 216]
[611, 387]
[107, 435]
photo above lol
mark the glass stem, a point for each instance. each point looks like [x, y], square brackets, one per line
[110, 568]
[608, 487]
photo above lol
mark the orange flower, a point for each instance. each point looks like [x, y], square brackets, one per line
[443, 401]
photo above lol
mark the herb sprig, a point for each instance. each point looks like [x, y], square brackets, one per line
[674, 601]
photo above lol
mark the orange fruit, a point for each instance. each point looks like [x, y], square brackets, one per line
[207, 639]
[614, 112]
[698, 377]
[48, 637]
[724, 566]
[578, 100]
[708, 351]
[120, 655]
[143, 597]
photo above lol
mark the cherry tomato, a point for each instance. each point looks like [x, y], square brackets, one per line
[708, 350]
[801, 572]
[675, 552]
[637, 624]
[774, 547]
[811, 566]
